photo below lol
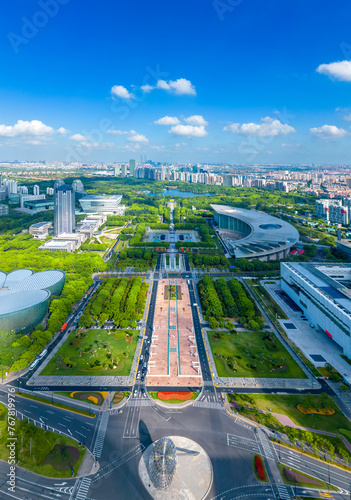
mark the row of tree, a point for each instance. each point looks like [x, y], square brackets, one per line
[121, 300]
[220, 298]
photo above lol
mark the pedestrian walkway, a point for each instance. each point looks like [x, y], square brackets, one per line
[283, 492]
[83, 489]
[100, 438]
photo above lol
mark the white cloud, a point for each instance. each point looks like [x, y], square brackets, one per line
[117, 132]
[62, 131]
[138, 138]
[130, 147]
[267, 128]
[340, 70]
[327, 131]
[188, 130]
[232, 127]
[79, 138]
[158, 148]
[147, 88]
[86, 142]
[167, 120]
[181, 86]
[288, 145]
[121, 92]
[196, 120]
[162, 84]
[22, 127]
[347, 117]
[33, 142]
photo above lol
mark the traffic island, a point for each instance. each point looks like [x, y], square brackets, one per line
[176, 467]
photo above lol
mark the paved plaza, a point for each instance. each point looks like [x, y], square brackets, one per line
[173, 352]
[313, 342]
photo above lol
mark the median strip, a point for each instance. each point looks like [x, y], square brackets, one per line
[57, 405]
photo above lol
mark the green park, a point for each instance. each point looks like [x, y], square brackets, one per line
[41, 451]
[95, 352]
[287, 405]
[252, 354]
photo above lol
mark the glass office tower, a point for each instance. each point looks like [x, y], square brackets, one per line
[64, 210]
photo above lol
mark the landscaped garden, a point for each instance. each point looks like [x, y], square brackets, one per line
[291, 405]
[172, 292]
[259, 469]
[174, 397]
[294, 477]
[39, 450]
[252, 354]
[93, 397]
[95, 352]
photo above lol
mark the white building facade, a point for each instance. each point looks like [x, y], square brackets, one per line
[323, 293]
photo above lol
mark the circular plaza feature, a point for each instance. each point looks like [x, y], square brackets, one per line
[176, 467]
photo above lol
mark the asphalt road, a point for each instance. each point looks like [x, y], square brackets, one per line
[229, 442]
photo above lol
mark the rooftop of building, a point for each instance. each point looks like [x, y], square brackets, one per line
[23, 288]
[326, 278]
[102, 196]
[267, 234]
[38, 225]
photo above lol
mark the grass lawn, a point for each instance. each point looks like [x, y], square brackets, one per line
[287, 405]
[40, 451]
[95, 352]
[252, 354]
[173, 401]
[322, 485]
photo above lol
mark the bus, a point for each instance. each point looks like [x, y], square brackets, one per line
[63, 327]
[34, 364]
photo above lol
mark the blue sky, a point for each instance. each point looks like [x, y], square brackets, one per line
[235, 81]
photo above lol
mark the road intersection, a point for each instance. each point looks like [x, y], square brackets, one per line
[116, 440]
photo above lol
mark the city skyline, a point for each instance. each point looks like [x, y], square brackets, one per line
[250, 83]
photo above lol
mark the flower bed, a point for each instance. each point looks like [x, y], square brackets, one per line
[299, 478]
[316, 411]
[259, 468]
[182, 396]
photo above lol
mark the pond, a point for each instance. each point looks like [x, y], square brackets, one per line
[176, 192]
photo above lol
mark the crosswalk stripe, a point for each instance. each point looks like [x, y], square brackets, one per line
[83, 489]
[100, 438]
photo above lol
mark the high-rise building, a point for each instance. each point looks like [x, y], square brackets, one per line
[36, 189]
[64, 215]
[58, 183]
[131, 167]
[77, 185]
[123, 170]
[117, 171]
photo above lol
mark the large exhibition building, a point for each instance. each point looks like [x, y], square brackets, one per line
[25, 297]
[323, 292]
[253, 235]
[100, 204]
